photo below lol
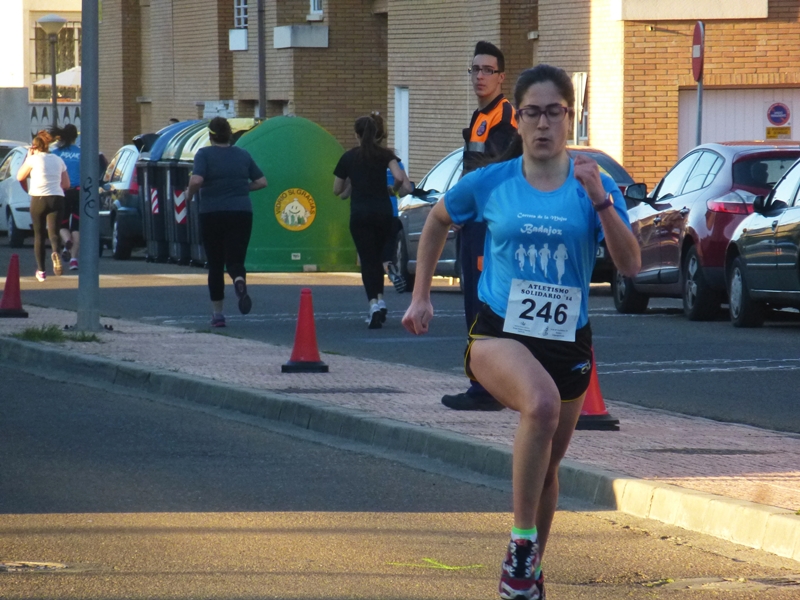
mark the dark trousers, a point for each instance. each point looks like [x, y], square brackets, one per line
[71, 215]
[45, 216]
[390, 249]
[226, 235]
[473, 236]
[370, 232]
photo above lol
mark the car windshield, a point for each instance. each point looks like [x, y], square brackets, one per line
[608, 166]
[439, 176]
[4, 150]
[759, 174]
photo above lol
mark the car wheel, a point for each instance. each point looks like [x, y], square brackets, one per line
[745, 312]
[120, 246]
[16, 237]
[627, 299]
[402, 260]
[700, 302]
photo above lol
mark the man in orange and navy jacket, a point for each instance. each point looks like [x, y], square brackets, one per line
[489, 134]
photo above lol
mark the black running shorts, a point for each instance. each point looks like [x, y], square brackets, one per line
[568, 363]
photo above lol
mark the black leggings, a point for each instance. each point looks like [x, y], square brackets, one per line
[370, 232]
[390, 249]
[45, 216]
[71, 217]
[226, 235]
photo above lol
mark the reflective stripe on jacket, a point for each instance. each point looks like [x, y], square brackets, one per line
[476, 136]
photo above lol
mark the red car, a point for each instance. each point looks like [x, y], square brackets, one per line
[684, 225]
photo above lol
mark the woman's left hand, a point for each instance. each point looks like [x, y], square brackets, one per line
[588, 174]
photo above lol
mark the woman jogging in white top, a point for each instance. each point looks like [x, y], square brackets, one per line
[49, 179]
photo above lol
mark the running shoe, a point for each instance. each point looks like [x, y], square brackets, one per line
[41, 275]
[66, 254]
[467, 401]
[56, 263]
[384, 310]
[245, 303]
[218, 320]
[73, 264]
[375, 319]
[521, 575]
[398, 281]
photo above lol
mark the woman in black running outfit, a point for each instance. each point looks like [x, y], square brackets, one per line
[361, 176]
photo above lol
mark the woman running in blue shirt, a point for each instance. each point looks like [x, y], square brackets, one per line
[531, 344]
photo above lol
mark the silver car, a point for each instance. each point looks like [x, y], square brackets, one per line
[413, 211]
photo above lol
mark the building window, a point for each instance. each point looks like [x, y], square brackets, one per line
[583, 127]
[68, 56]
[240, 14]
[316, 7]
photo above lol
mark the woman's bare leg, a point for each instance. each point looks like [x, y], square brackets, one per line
[570, 412]
[511, 374]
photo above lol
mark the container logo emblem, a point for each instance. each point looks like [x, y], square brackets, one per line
[295, 209]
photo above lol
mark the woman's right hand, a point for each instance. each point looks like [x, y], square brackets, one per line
[417, 317]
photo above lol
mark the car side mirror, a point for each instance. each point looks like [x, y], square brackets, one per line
[106, 186]
[420, 193]
[636, 192]
[758, 204]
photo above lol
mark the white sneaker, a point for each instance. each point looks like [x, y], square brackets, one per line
[375, 319]
[73, 264]
[41, 275]
[383, 309]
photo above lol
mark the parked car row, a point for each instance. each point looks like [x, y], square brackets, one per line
[414, 209]
[689, 226]
[762, 261]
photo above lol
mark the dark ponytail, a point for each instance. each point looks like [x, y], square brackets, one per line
[66, 135]
[370, 151]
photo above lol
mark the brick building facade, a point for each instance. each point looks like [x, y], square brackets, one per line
[165, 58]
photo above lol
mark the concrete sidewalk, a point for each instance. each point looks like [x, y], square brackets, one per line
[732, 481]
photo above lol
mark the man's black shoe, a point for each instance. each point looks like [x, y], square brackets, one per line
[466, 401]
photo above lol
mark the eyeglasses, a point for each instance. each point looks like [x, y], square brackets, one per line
[555, 113]
[475, 69]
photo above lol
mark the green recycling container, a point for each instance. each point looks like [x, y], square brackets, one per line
[298, 223]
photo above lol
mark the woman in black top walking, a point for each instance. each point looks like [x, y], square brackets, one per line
[361, 176]
[225, 175]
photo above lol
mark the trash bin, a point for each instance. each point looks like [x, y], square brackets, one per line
[153, 190]
[298, 223]
[197, 252]
[151, 194]
[184, 232]
[176, 215]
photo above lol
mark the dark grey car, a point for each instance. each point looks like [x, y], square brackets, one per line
[120, 206]
[763, 258]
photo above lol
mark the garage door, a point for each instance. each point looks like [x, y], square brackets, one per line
[730, 115]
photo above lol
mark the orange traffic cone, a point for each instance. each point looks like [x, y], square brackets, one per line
[11, 303]
[594, 414]
[305, 355]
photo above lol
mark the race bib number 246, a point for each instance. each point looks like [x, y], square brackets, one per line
[543, 310]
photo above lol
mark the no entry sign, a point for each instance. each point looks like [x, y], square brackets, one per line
[698, 49]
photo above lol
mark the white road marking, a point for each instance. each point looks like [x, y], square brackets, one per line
[713, 365]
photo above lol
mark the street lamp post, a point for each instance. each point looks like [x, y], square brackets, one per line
[52, 24]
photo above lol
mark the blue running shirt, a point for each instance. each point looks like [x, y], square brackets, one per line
[545, 237]
[71, 155]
